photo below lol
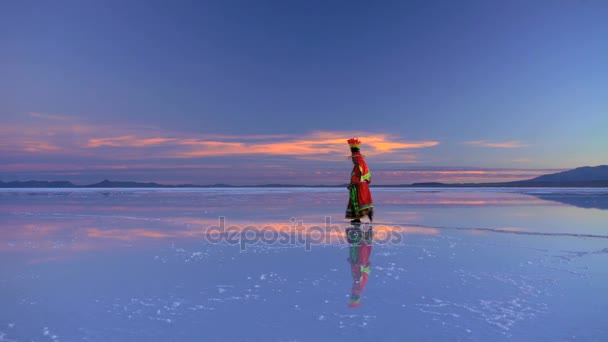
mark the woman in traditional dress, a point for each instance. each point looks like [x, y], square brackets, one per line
[360, 199]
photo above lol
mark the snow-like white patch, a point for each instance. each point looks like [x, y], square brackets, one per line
[47, 332]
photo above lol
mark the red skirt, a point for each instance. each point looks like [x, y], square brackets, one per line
[360, 201]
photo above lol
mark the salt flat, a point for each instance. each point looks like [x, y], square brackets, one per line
[271, 264]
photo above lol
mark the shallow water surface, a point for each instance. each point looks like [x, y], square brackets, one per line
[275, 265]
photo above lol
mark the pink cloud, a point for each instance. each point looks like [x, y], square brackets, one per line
[70, 137]
[458, 176]
[506, 144]
[315, 145]
[38, 146]
[49, 116]
[127, 141]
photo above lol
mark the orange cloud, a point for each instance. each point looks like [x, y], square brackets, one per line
[38, 146]
[310, 146]
[127, 141]
[69, 136]
[506, 144]
[318, 143]
[382, 145]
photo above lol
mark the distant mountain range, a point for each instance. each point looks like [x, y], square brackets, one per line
[587, 176]
[596, 176]
[111, 184]
[587, 173]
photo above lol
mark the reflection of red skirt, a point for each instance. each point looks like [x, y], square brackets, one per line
[360, 201]
[360, 267]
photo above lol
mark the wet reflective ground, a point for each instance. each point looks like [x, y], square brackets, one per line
[276, 265]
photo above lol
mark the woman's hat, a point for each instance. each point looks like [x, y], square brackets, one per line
[354, 144]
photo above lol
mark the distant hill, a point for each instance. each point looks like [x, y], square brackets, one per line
[588, 176]
[581, 174]
[112, 184]
[109, 184]
[37, 184]
[64, 184]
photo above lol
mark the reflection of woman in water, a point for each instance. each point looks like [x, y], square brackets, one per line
[359, 252]
[360, 199]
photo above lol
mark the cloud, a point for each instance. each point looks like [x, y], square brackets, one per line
[506, 144]
[127, 141]
[49, 116]
[314, 144]
[73, 137]
[61, 145]
[383, 144]
[28, 145]
[450, 175]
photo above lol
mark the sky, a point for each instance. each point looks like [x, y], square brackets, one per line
[256, 92]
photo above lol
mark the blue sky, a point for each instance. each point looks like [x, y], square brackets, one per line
[248, 92]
